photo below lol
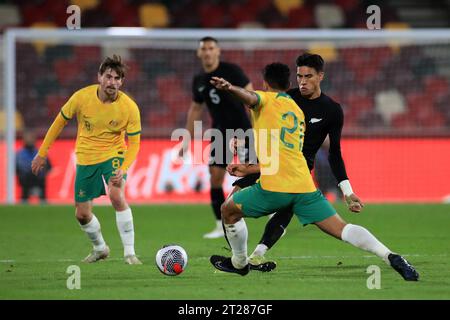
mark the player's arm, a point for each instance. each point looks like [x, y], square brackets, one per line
[250, 98]
[240, 79]
[338, 167]
[67, 112]
[249, 87]
[53, 132]
[134, 144]
[194, 114]
[242, 170]
[133, 131]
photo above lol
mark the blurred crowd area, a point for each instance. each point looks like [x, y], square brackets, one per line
[387, 89]
[224, 13]
[383, 90]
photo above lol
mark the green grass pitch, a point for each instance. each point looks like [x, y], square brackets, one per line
[39, 243]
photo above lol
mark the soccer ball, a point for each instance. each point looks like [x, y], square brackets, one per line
[171, 260]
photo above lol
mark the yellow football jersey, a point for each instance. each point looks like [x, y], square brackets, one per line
[279, 127]
[101, 126]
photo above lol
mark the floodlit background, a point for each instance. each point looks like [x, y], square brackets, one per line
[393, 85]
[395, 92]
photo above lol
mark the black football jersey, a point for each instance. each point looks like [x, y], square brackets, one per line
[226, 111]
[323, 116]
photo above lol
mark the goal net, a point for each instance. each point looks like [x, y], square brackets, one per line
[394, 88]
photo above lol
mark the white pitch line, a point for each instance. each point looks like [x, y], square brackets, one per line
[58, 260]
[207, 258]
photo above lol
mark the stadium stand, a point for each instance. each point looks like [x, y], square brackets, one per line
[219, 13]
[404, 78]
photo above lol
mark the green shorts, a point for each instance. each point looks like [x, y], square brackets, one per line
[308, 207]
[89, 179]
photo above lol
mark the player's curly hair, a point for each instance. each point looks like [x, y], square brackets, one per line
[310, 60]
[277, 75]
[115, 63]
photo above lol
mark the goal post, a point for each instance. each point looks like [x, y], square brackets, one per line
[359, 66]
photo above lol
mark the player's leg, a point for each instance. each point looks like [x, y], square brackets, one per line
[236, 235]
[251, 202]
[26, 189]
[236, 231]
[362, 238]
[274, 230]
[255, 264]
[41, 186]
[314, 208]
[124, 215]
[91, 226]
[356, 235]
[256, 259]
[89, 185]
[217, 176]
[235, 189]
